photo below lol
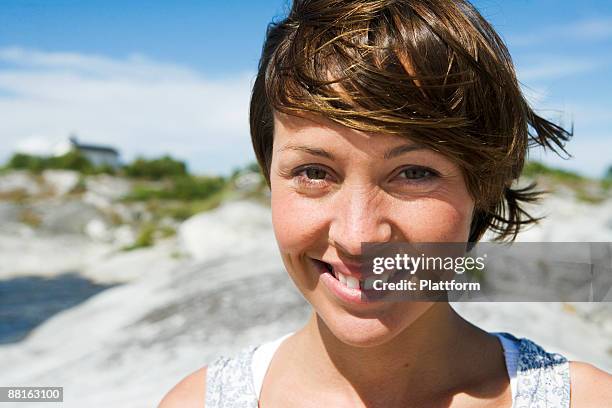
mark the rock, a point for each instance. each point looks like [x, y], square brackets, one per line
[54, 253]
[97, 230]
[108, 187]
[60, 182]
[65, 216]
[569, 220]
[230, 229]
[176, 316]
[128, 266]
[123, 235]
[9, 213]
[19, 181]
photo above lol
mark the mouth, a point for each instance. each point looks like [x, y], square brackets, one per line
[352, 282]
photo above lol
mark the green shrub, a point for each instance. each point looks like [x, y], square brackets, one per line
[105, 169]
[534, 169]
[145, 238]
[180, 188]
[190, 188]
[19, 161]
[181, 210]
[73, 160]
[22, 161]
[156, 169]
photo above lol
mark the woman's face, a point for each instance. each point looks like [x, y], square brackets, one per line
[334, 188]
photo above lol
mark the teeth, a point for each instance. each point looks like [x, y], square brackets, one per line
[352, 282]
[348, 281]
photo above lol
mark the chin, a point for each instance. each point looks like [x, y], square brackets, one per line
[371, 328]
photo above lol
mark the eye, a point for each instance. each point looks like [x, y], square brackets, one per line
[417, 173]
[315, 173]
[311, 176]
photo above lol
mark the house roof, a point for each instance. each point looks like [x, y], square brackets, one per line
[93, 148]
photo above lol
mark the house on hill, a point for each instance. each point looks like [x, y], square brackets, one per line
[98, 155]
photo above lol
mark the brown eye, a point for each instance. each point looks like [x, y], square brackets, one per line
[417, 173]
[315, 173]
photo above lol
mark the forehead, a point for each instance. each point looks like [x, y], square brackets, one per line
[290, 130]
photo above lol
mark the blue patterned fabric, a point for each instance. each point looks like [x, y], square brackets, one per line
[543, 379]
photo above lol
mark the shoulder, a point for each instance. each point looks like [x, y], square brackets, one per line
[188, 393]
[590, 386]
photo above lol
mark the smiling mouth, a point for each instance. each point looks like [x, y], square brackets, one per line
[352, 282]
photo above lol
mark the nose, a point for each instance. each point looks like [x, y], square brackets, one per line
[359, 215]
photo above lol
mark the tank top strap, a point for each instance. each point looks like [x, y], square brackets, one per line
[261, 361]
[511, 354]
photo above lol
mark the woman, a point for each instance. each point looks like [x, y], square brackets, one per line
[389, 121]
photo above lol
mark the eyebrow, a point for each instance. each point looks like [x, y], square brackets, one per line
[389, 154]
[402, 149]
[310, 150]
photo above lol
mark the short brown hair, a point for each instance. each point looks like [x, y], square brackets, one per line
[433, 70]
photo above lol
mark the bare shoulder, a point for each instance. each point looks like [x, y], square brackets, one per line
[590, 386]
[188, 393]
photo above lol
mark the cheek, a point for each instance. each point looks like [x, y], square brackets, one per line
[437, 220]
[297, 221]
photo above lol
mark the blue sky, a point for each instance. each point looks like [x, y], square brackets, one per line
[174, 76]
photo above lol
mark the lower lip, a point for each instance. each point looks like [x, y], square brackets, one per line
[344, 293]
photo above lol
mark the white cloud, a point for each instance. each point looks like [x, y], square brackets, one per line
[594, 29]
[600, 28]
[38, 145]
[135, 104]
[555, 67]
[135, 66]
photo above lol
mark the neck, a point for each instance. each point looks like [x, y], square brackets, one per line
[431, 353]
